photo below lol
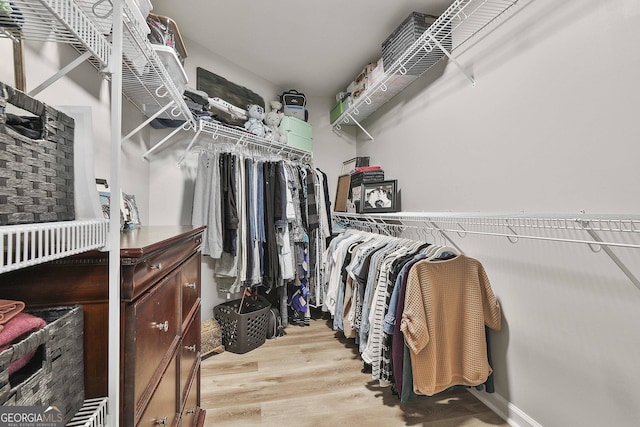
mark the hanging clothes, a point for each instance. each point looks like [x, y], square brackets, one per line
[447, 305]
[376, 288]
[207, 203]
[258, 213]
[270, 247]
[230, 219]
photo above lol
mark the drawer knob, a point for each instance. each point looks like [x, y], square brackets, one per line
[191, 285]
[155, 266]
[162, 326]
[191, 411]
[191, 348]
[162, 421]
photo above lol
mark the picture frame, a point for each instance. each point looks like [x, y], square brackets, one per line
[131, 212]
[128, 206]
[378, 197]
[342, 193]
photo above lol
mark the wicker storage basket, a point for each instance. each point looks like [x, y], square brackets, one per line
[211, 338]
[245, 331]
[403, 37]
[55, 375]
[36, 175]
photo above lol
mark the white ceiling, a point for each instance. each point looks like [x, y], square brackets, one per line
[315, 47]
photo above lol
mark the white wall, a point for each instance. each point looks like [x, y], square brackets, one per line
[329, 149]
[551, 126]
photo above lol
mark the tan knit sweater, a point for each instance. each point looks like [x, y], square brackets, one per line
[447, 304]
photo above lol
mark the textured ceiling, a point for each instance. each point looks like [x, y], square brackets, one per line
[315, 47]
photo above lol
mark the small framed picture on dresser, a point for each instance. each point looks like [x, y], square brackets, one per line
[378, 197]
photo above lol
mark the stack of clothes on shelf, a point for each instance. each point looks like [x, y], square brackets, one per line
[15, 326]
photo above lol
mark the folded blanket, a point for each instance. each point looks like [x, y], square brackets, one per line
[367, 169]
[9, 309]
[17, 329]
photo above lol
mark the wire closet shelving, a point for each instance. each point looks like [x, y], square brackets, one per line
[512, 227]
[87, 26]
[111, 35]
[211, 132]
[453, 28]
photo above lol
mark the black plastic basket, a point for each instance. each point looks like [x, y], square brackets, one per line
[244, 331]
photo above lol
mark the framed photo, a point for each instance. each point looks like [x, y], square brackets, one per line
[379, 196]
[131, 213]
[105, 196]
[128, 208]
[342, 193]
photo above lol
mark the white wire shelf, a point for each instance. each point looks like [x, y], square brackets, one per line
[458, 222]
[620, 231]
[502, 224]
[61, 21]
[146, 82]
[87, 26]
[456, 26]
[219, 133]
[92, 414]
[26, 245]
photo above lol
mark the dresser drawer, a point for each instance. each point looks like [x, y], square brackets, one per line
[155, 326]
[189, 353]
[162, 408]
[191, 407]
[141, 272]
[190, 286]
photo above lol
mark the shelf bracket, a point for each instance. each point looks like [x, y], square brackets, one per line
[188, 149]
[149, 120]
[452, 59]
[614, 258]
[63, 72]
[165, 139]
[360, 126]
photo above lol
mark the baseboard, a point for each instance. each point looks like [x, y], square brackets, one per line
[505, 409]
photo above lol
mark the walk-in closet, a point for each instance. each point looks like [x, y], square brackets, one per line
[317, 214]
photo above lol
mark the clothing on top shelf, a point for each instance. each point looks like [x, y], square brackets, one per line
[417, 311]
[267, 221]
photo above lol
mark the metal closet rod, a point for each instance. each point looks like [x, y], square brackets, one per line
[429, 222]
[586, 223]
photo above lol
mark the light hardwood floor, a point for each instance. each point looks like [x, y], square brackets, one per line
[312, 377]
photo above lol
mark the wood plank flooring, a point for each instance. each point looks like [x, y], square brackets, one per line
[312, 377]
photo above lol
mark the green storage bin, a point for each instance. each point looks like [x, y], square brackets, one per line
[336, 112]
[299, 133]
[291, 124]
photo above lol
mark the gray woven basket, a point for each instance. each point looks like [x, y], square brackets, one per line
[36, 175]
[55, 375]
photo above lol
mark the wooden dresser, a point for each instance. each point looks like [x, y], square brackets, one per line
[160, 320]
